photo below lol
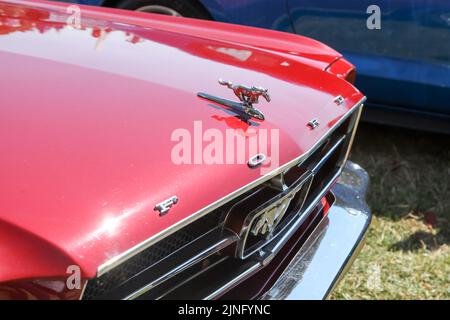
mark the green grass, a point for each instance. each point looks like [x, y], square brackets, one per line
[407, 251]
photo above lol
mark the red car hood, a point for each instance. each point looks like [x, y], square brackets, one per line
[86, 124]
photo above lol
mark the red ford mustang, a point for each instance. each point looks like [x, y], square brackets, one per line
[152, 157]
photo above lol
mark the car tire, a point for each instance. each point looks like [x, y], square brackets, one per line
[184, 8]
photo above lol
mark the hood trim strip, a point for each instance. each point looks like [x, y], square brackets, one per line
[122, 257]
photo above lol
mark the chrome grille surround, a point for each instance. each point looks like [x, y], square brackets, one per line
[219, 247]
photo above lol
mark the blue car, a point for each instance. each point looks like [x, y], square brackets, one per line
[401, 48]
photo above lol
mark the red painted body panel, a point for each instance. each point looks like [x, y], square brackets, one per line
[87, 114]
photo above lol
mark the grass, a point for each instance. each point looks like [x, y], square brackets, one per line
[407, 251]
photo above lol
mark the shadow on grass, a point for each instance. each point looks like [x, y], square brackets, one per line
[422, 240]
[409, 172]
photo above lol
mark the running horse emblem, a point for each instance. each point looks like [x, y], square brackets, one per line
[247, 95]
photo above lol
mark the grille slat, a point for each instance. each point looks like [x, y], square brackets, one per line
[99, 287]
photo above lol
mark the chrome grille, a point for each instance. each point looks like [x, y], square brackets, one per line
[206, 258]
[102, 286]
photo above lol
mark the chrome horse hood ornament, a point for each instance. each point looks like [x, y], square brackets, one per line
[247, 95]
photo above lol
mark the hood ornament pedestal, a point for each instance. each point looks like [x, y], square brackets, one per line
[247, 95]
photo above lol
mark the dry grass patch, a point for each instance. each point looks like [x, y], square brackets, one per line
[407, 252]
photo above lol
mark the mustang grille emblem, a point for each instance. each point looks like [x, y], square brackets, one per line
[260, 217]
[247, 95]
[266, 223]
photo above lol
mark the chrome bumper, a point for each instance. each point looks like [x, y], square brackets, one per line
[331, 248]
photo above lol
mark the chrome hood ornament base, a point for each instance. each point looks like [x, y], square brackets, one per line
[247, 95]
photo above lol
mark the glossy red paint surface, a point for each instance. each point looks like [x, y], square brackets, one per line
[39, 290]
[86, 119]
[343, 69]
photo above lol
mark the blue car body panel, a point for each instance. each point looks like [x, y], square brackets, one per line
[269, 14]
[405, 65]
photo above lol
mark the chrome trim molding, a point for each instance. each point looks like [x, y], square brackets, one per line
[240, 277]
[83, 290]
[355, 128]
[194, 257]
[117, 260]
